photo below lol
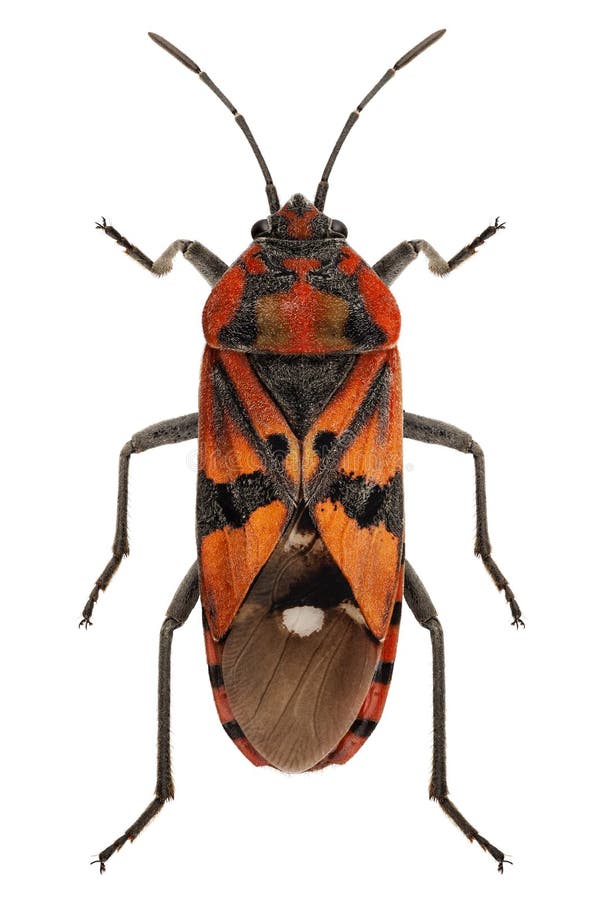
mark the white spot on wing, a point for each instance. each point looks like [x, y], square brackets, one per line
[303, 620]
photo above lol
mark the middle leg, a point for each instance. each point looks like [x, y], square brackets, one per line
[171, 431]
[430, 431]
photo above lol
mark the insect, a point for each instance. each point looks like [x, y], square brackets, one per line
[300, 526]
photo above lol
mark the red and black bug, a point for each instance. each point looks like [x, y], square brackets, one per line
[300, 523]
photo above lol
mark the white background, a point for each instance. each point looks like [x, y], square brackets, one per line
[498, 118]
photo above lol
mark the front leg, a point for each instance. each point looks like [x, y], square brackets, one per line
[172, 431]
[393, 263]
[207, 263]
[430, 431]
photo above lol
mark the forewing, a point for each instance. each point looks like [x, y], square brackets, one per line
[248, 479]
[352, 469]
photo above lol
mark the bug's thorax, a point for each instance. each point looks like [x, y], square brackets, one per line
[300, 289]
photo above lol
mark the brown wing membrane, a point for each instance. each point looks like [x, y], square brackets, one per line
[298, 660]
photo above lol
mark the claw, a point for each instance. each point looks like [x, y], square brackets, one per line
[498, 224]
[86, 622]
[517, 621]
[102, 224]
[102, 866]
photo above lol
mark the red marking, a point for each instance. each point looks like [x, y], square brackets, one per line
[254, 264]
[379, 303]
[223, 303]
[301, 265]
[350, 262]
[299, 227]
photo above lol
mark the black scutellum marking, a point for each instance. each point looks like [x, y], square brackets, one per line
[231, 503]
[369, 503]
[363, 727]
[301, 386]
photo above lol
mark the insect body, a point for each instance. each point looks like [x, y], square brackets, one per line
[300, 523]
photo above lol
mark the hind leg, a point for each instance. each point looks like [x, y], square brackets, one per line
[181, 606]
[420, 605]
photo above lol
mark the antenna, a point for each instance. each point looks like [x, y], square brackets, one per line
[190, 64]
[353, 117]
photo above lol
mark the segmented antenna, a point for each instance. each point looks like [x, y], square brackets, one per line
[353, 117]
[190, 64]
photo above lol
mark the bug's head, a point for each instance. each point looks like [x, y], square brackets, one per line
[299, 220]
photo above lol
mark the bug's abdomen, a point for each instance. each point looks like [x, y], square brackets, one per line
[298, 661]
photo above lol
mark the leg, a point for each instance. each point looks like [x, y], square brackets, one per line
[430, 431]
[393, 263]
[209, 265]
[183, 603]
[420, 605]
[172, 431]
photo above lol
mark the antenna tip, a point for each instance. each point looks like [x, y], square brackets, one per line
[170, 48]
[435, 37]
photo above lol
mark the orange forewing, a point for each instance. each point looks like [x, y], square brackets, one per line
[231, 557]
[341, 409]
[369, 557]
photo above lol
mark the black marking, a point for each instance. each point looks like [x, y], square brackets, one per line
[241, 332]
[215, 675]
[233, 730]
[323, 443]
[301, 385]
[319, 225]
[383, 672]
[326, 473]
[396, 613]
[369, 503]
[228, 401]
[360, 329]
[231, 503]
[279, 445]
[363, 727]
[308, 576]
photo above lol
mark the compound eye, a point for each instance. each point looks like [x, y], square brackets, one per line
[261, 228]
[338, 228]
